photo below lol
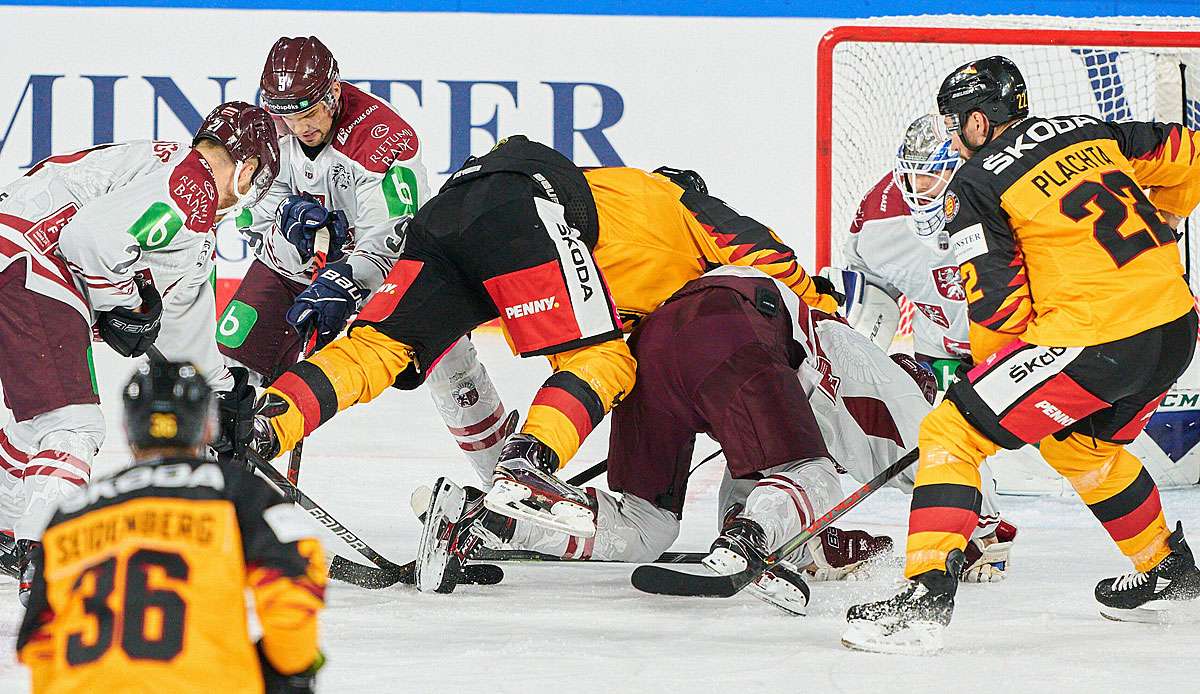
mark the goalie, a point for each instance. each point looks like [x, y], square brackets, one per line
[898, 245]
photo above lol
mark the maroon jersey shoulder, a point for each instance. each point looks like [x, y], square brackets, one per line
[370, 132]
[884, 201]
[194, 191]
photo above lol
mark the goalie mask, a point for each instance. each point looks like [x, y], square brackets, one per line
[925, 163]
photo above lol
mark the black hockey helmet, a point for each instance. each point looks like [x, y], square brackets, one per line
[169, 405]
[992, 86]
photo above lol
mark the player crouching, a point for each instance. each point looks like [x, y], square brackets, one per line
[723, 356]
[142, 576]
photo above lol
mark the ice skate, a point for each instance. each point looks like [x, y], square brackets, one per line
[911, 622]
[29, 554]
[987, 557]
[524, 487]
[847, 555]
[1159, 595]
[10, 560]
[455, 523]
[742, 545]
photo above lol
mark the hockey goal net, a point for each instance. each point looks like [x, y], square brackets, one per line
[873, 80]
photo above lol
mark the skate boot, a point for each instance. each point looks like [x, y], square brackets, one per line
[30, 553]
[911, 622]
[846, 555]
[1156, 595]
[10, 559]
[524, 487]
[742, 545]
[987, 557]
[455, 523]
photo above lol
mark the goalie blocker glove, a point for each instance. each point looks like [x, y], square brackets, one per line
[327, 303]
[300, 216]
[132, 331]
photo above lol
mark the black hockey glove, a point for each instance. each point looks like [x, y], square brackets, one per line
[275, 682]
[327, 303]
[300, 216]
[825, 286]
[235, 408]
[132, 331]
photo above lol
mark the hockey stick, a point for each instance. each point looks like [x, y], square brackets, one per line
[385, 572]
[320, 257]
[343, 569]
[522, 555]
[663, 581]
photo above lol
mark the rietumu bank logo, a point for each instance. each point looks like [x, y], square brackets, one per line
[56, 102]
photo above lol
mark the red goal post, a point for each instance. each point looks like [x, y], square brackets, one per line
[925, 53]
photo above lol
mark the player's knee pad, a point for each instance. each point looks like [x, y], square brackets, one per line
[469, 403]
[791, 496]
[632, 529]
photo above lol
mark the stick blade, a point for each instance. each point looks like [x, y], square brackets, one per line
[660, 580]
[373, 578]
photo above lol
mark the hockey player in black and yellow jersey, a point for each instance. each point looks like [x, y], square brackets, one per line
[140, 586]
[567, 260]
[1080, 320]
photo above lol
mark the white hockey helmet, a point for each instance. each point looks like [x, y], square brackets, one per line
[925, 162]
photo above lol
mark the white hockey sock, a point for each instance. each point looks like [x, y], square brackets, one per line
[467, 399]
[790, 497]
[64, 443]
[628, 528]
[12, 494]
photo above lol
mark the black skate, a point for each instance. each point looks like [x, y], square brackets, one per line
[30, 553]
[911, 622]
[10, 558]
[525, 487]
[1156, 595]
[742, 545]
[455, 523]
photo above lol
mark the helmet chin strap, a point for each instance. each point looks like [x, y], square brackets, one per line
[962, 130]
[240, 201]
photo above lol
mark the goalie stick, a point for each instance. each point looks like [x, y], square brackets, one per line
[661, 580]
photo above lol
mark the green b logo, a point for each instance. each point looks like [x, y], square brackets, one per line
[156, 227]
[235, 324]
[400, 191]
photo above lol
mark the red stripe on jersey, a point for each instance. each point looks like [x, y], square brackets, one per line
[1137, 520]
[300, 393]
[566, 403]
[942, 519]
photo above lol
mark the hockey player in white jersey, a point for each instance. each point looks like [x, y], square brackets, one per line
[350, 164]
[898, 246]
[722, 356]
[119, 237]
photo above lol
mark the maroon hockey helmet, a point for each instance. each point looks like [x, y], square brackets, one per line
[246, 132]
[299, 74]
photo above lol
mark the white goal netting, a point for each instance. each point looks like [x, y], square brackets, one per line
[879, 87]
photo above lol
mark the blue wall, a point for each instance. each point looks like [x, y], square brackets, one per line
[731, 8]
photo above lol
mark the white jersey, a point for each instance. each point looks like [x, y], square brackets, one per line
[370, 169]
[114, 211]
[883, 245]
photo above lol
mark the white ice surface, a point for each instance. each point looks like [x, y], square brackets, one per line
[561, 628]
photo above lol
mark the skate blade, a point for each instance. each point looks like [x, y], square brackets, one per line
[1156, 612]
[507, 498]
[780, 594]
[919, 638]
[433, 559]
[420, 499]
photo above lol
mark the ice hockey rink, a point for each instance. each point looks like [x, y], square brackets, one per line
[583, 628]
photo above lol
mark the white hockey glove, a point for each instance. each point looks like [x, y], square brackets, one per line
[867, 308]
